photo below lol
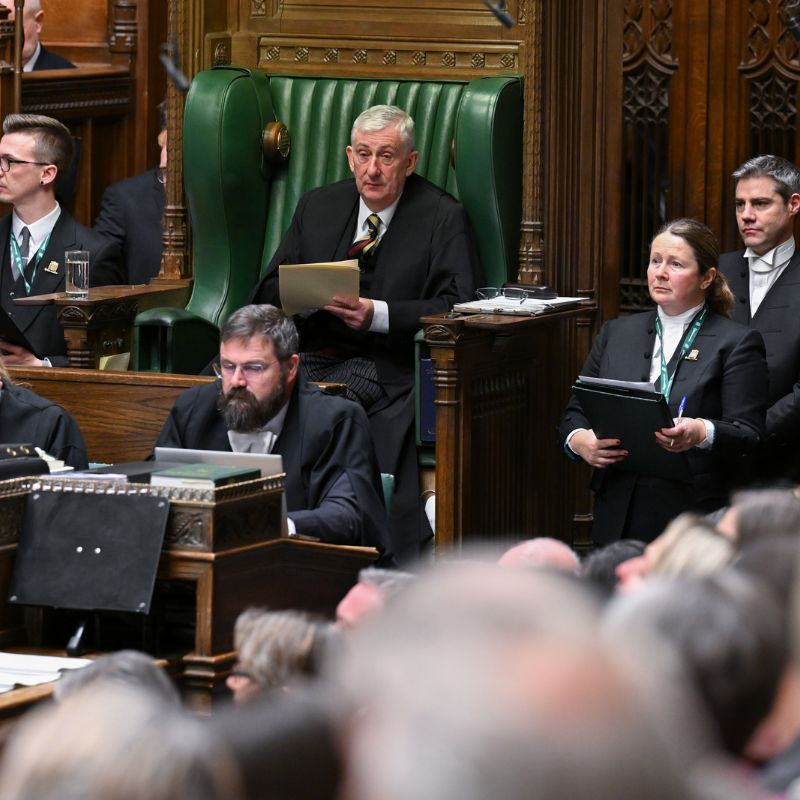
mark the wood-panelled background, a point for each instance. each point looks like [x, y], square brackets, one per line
[636, 112]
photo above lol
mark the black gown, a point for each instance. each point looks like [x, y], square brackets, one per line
[333, 486]
[25, 417]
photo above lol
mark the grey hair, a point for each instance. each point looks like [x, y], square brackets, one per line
[378, 118]
[52, 139]
[390, 581]
[266, 321]
[784, 174]
[125, 667]
[274, 646]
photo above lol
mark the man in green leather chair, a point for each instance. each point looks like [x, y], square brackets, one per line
[416, 255]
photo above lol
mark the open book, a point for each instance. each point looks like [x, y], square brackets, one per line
[307, 287]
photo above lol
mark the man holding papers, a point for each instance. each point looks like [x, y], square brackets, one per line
[689, 349]
[416, 256]
[261, 404]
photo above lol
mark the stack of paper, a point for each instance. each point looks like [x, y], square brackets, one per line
[307, 287]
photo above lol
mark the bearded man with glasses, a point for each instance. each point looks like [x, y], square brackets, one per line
[35, 151]
[262, 404]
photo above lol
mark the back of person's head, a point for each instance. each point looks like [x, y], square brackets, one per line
[275, 647]
[728, 632]
[286, 746]
[267, 322]
[52, 139]
[690, 546]
[541, 553]
[483, 683]
[765, 512]
[115, 742]
[784, 174]
[600, 567]
[125, 667]
[374, 588]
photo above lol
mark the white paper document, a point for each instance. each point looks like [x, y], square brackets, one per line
[307, 287]
[524, 308]
[21, 669]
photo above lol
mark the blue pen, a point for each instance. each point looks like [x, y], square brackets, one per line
[680, 414]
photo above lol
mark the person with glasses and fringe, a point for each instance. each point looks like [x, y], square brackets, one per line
[35, 151]
[262, 404]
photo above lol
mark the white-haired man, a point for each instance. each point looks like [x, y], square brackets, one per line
[417, 256]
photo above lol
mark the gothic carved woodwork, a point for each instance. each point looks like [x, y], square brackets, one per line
[648, 66]
[770, 66]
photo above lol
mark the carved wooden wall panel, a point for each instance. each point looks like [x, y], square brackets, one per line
[648, 65]
[708, 83]
[770, 70]
[78, 31]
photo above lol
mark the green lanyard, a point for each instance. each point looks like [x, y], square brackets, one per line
[688, 341]
[15, 255]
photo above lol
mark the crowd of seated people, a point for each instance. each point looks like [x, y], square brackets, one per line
[474, 679]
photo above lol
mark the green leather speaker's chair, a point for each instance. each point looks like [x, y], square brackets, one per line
[469, 137]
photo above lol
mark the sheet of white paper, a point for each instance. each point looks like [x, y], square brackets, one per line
[22, 669]
[525, 308]
[305, 287]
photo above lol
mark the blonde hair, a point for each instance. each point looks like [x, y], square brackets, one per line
[691, 546]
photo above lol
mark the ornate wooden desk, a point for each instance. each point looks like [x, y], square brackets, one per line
[102, 323]
[501, 384]
[230, 551]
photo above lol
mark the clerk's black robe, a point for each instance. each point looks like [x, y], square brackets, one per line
[324, 440]
[25, 417]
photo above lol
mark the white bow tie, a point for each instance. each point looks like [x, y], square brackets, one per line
[252, 442]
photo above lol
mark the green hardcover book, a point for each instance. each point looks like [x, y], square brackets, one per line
[203, 476]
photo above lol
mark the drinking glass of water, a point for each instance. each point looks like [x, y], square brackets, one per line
[77, 278]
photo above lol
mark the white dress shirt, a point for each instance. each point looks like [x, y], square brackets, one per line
[766, 269]
[39, 231]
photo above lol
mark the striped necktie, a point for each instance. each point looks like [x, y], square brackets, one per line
[362, 246]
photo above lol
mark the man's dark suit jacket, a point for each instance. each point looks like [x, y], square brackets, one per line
[323, 439]
[425, 263]
[131, 215]
[48, 60]
[27, 417]
[40, 323]
[778, 321]
[727, 385]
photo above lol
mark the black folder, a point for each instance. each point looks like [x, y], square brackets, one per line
[9, 332]
[633, 415]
